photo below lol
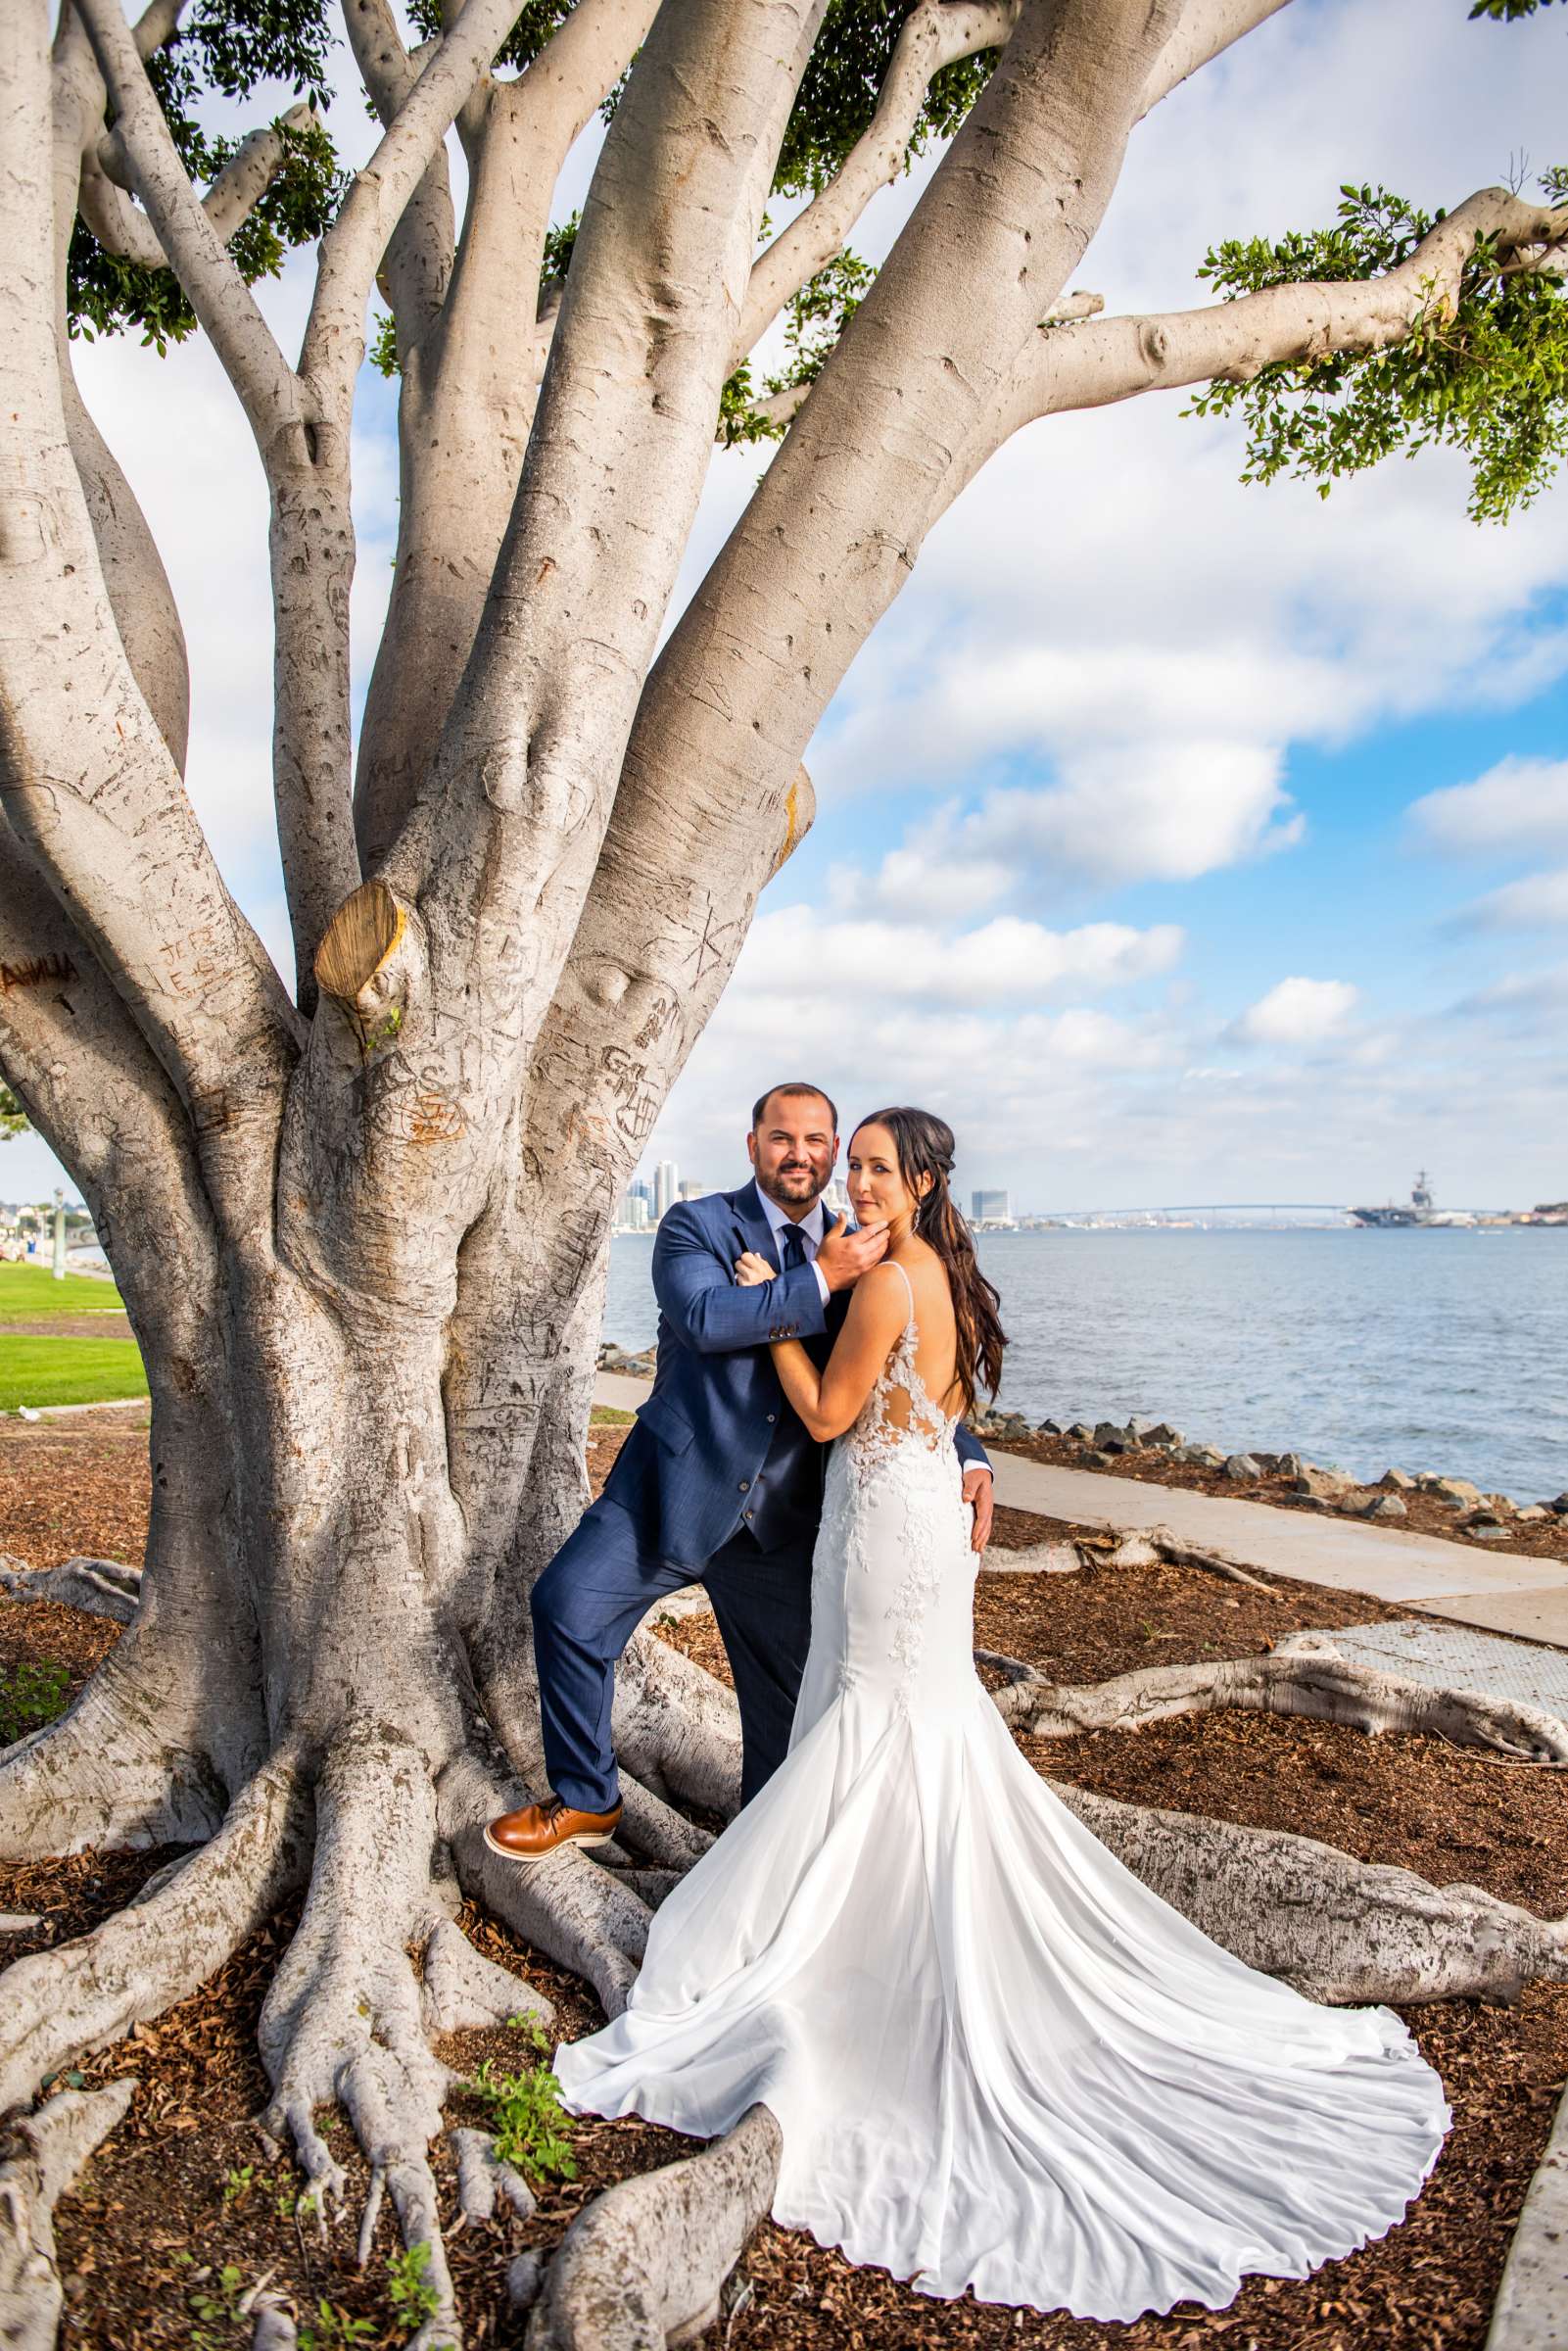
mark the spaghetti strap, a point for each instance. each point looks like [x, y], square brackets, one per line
[909, 1288]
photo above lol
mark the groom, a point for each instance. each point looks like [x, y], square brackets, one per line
[718, 1483]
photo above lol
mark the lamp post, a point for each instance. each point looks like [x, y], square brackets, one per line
[59, 1234]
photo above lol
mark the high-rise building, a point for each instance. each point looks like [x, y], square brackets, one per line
[990, 1208]
[666, 1182]
[693, 1190]
[835, 1200]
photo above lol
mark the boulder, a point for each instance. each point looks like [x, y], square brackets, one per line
[1396, 1481]
[1499, 1505]
[1307, 1501]
[1050, 1428]
[1385, 1506]
[1331, 1484]
[1111, 1437]
[1533, 1512]
[1288, 1464]
[1458, 1492]
[1100, 1461]
[1560, 1505]
[1081, 1432]
[1482, 1527]
[1164, 1436]
[1201, 1456]
[1241, 1467]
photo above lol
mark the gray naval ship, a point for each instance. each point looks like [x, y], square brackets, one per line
[1419, 1211]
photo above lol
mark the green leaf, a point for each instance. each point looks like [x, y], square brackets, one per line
[1490, 379]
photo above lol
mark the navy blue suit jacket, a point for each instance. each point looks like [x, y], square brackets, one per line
[716, 1446]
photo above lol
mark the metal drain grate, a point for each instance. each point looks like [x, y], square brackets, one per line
[1453, 1658]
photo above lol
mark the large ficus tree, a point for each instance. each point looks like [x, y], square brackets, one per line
[361, 1225]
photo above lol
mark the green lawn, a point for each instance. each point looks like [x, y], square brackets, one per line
[30, 1293]
[42, 1371]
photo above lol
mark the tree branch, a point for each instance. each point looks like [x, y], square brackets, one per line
[1205, 30]
[935, 33]
[352, 247]
[417, 269]
[228, 202]
[85, 775]
[1111, 360]
[190, 242]
[469, 385]
[98, 1097]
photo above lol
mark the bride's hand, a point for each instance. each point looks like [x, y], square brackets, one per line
[752, 1269]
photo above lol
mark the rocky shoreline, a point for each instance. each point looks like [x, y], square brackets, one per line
[1422, 1500]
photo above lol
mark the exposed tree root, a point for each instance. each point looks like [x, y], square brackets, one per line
[55, 2004]
[49, 2150]
[578, 1913]
[106, 1773]
[1057, 1557]
[1529, 2313]
[1304, 1675]
[343, 2019]
[483, 2179]
[1337, 1929]
[656, 1832]
[643, 2265]
[461, 1987]
[677, 1728]
[99, 1587]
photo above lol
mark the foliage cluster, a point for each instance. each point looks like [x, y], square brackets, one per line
[531, 2129]
[29, 1697]
[224, 49]
[1487, 375]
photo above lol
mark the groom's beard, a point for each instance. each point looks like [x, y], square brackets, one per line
[801, 1189]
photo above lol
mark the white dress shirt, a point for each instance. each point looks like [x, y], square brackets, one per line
[811, 1228]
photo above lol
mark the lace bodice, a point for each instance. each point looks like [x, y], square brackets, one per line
[900, 1409]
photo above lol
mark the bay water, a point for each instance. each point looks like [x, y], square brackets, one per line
[1440, 1349]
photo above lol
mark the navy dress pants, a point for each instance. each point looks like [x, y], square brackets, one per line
[588, 1602]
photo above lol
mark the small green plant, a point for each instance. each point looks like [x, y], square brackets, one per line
[216, 2300]
[531, 2127]
[29, 1697]
[302, 2208]
[332, 2324]
[237, 2185]
[410, 2289]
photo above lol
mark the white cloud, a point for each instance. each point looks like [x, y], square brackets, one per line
[1163, 808]
[1518, 804]
[1298, 1012]
[797, 956]
[1538, 902]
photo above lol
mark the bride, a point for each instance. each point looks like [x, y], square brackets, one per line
[997, 2060]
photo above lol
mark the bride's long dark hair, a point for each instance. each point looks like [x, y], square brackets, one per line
[925, 1146]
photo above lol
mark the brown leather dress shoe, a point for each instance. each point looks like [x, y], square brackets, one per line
[542, 1828]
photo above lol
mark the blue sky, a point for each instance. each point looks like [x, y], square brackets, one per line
[1127, 859]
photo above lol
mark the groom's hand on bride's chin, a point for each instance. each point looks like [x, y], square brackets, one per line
[845, 1256]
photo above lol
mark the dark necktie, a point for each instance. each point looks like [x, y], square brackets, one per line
[794, 1248]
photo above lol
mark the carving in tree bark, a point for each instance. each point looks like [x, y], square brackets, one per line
[387, 1190]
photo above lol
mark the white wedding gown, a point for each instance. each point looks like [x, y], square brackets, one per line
[996, 2058]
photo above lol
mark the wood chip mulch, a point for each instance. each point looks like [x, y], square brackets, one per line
[184, 2186]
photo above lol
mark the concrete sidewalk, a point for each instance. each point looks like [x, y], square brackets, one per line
[1459, 1581]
